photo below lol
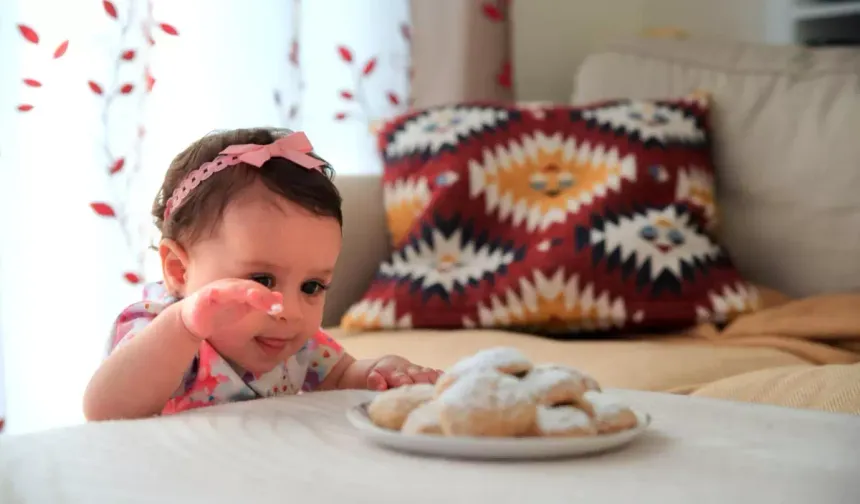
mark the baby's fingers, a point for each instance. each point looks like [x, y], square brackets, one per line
[423, 375]
[245, 292]
[375, 381]
[397, 378]
[265, 300]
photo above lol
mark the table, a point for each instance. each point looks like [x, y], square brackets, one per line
[301, 449]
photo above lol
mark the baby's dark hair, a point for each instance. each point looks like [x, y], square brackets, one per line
[203, 207]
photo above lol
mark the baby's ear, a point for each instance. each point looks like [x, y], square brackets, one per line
[174, 261]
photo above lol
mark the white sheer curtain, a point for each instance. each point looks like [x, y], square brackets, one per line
[328, 67]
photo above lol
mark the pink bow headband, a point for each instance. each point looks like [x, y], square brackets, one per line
[293, 147]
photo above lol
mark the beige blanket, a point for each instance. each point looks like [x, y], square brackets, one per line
[820, 330]
[824, 331]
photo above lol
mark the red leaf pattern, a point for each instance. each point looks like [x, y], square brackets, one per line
[132, 278]
[110, 9]
[369, 67]
[103, 209]
[61, 49]
[149, 80]
[134, 28]
[117, 165]
[361, 95]
[345, 53]
[95, 88]
[168, 29]
[492, 11]
[28, 33]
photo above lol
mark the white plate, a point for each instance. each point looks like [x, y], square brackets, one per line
[492, 448]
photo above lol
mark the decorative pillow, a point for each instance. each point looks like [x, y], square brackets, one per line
[556, 219]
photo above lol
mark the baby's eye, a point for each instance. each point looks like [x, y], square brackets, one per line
[313, 287]
[264, 279]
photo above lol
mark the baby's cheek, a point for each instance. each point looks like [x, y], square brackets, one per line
[296, 345]
[256, 323]
[313, 315]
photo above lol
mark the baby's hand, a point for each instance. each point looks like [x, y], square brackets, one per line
[225, 302]
[393, 371]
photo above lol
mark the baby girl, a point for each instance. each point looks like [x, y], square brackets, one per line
[251, 231]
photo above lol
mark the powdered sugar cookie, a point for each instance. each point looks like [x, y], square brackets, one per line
[423, 420]
[553, 385]
[609, 414]
[588, 381]
[390, 408]
[486, 402]
[505, 360]
[563, 421]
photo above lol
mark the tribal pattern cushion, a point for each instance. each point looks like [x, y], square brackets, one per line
[552, 219]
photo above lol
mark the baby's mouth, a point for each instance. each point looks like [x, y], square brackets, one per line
[271, 346]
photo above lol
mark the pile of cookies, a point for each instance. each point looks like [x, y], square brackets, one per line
[498, 392]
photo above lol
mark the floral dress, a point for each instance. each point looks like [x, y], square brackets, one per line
[211, 380]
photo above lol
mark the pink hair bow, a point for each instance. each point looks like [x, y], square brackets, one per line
[294, 147]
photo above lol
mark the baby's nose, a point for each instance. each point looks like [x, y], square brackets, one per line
[291, 312]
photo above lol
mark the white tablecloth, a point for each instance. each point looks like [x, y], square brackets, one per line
[302, 449]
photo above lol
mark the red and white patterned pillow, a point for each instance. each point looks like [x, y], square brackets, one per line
[557, 219]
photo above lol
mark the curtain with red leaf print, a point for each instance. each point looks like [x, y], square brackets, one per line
[97, 96]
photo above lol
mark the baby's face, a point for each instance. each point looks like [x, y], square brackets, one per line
[279, 244]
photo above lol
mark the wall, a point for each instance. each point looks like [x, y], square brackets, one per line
[738, 20]
[551, 37]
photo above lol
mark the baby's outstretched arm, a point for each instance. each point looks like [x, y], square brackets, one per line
[139, 377]
[377, 374]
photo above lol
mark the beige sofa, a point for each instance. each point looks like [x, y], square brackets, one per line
[787, 149]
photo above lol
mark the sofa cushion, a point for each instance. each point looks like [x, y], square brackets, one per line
[552, 219]
[660, 365]
[786, 128]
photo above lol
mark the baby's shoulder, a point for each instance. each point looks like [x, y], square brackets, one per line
[138, 314]
[154, 300]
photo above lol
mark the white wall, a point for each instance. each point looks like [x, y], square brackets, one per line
[551, 37]
[739, 20]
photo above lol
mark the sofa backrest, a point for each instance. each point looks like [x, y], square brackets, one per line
[365, 243]
[787, 147]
